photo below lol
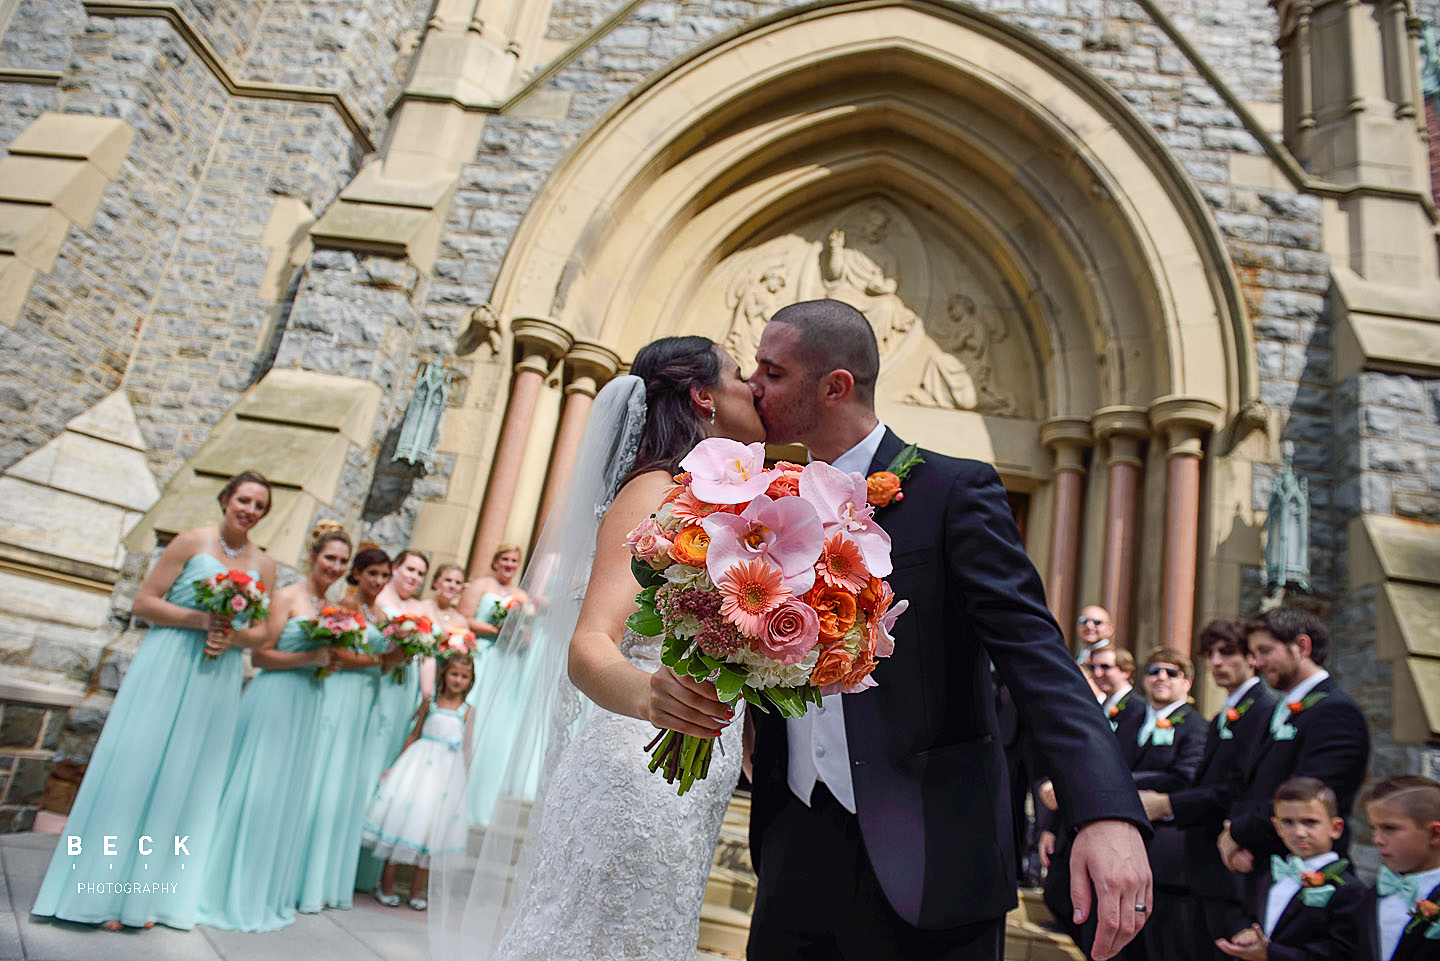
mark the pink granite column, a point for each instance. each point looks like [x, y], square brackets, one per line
[1182, 422]
[1067, 438]
[588, 366]
[1122, 429]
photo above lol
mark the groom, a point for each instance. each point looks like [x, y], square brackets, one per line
[881, 821]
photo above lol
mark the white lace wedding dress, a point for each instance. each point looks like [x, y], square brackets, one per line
[621, 862]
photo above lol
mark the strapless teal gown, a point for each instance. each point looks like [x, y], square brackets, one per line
[496, 695]
[253, 880]
[339, 785]
[157, 773]
[394, 717]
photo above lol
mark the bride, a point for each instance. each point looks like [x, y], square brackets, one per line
[586, 855]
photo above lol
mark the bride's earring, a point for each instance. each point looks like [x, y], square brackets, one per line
[712, 417]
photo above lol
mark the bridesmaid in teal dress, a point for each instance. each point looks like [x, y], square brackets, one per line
[494, 593]
[397, 701]
[154, 779]
[253, 880]
[340, 780]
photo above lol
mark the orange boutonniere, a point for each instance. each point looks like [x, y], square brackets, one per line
[883, 486]
[1309, 701]
[1163, 723]
[1232, 714]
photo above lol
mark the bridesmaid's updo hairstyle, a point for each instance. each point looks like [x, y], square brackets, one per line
[245, 477]
[669, 367]
[369, 556]
[442, 570]
[325, 532]
[399, 559]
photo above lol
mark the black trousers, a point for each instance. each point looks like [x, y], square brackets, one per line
[819, 899]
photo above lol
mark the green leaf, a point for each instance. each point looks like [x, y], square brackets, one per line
[645, 575]
[645, 623]
[905, 461]
[712, 663]
[753, 698]
[729, 684]
[646, 598]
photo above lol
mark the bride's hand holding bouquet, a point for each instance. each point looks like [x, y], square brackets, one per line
[765, 583]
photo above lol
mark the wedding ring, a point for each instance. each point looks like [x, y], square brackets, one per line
[1141, 908]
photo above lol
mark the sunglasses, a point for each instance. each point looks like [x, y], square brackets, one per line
[1089, 621]
[1155, 670]
[1102, 668]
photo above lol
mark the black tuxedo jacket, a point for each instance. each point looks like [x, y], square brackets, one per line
[1412, 946]
[1331, 743]
[1334, 932]
[1165, 768]
[1128, 706]
[931, 791]
[1200, 808]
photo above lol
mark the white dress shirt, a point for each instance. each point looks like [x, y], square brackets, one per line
[1393, 913]
[1281, 892]
[818, 751]
[1296, 693]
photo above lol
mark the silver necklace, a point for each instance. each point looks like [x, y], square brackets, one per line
[230, 552]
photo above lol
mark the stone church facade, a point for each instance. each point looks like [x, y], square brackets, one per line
[1130, 252]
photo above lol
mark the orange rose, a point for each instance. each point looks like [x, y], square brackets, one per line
[1428, 910]
[836, 609]
[786, 485]
[1164, 722]
[832, 666]
[1312, 879]
[1114, 710]
[1296, 706]
[690, 546]
[1232, 715]
[863, 666]
[881, 488]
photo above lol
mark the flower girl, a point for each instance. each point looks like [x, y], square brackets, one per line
[418, 811]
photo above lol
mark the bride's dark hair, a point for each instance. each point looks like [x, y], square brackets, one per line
[669, 367]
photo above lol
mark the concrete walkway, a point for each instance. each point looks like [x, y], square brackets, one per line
[369, 932]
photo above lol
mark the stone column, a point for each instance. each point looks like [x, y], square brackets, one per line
[1122, 429]
[588, 366]
[1067, 439]
[539, 344]
[1182, 423]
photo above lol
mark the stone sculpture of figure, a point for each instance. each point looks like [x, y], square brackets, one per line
[851, 276]
[1287, 529]
[961, 376]
[751, 305]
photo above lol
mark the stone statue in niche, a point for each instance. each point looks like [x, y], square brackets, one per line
[851, 276]
[751, 302]
[961, 376]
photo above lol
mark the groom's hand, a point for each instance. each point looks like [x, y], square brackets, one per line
[686, 705]
[1111, 856]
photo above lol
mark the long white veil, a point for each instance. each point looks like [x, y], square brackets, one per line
[473, 894]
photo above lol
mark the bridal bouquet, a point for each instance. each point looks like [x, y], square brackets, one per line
[234, 595]
[766, 582]
[415, 635]
[335, 627]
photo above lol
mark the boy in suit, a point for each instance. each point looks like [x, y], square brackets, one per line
[1199, 810]
[1402, 920]
[1311, 906]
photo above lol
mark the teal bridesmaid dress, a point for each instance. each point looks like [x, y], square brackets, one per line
[153, 784]
[253, 881]
[496, 695]
[340, 787]
[395, 714]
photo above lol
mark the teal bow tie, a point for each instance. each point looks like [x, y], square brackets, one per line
[1289, 868]
[1387, 882]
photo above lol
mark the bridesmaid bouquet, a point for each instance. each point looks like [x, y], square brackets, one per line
[414, 634]
[766, 582]
[458, 640]
[234, 595]
[335, 627]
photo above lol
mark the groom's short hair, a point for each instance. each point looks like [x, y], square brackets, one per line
[835, 336]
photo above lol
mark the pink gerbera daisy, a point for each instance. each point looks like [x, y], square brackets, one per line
[691, 510]
[841, 564]
[749, 591]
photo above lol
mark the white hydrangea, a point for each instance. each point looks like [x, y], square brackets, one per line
[665, 517]
[764, 672]
[687, 576]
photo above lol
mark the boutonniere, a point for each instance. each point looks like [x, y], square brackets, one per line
[883, 486]
[1305, 703]
[1233, 714]
[1164, 732]
[1318, 887]
[1425, 914]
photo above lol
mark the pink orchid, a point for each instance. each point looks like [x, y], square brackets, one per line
[884, 641]
[724, 471]
[840, 500]
[784, 533]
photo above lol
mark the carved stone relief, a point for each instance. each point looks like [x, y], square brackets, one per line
[943, 323]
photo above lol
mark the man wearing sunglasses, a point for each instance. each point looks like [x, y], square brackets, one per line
[1094, 630]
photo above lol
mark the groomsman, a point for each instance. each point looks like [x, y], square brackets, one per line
[1315, 730]
[1112, 671]
[1200, 809]
[1095, 631]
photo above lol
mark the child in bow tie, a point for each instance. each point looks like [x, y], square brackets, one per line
[1312, 908]
[1404, 814]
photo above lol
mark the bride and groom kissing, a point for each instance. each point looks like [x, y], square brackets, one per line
[880, 824]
